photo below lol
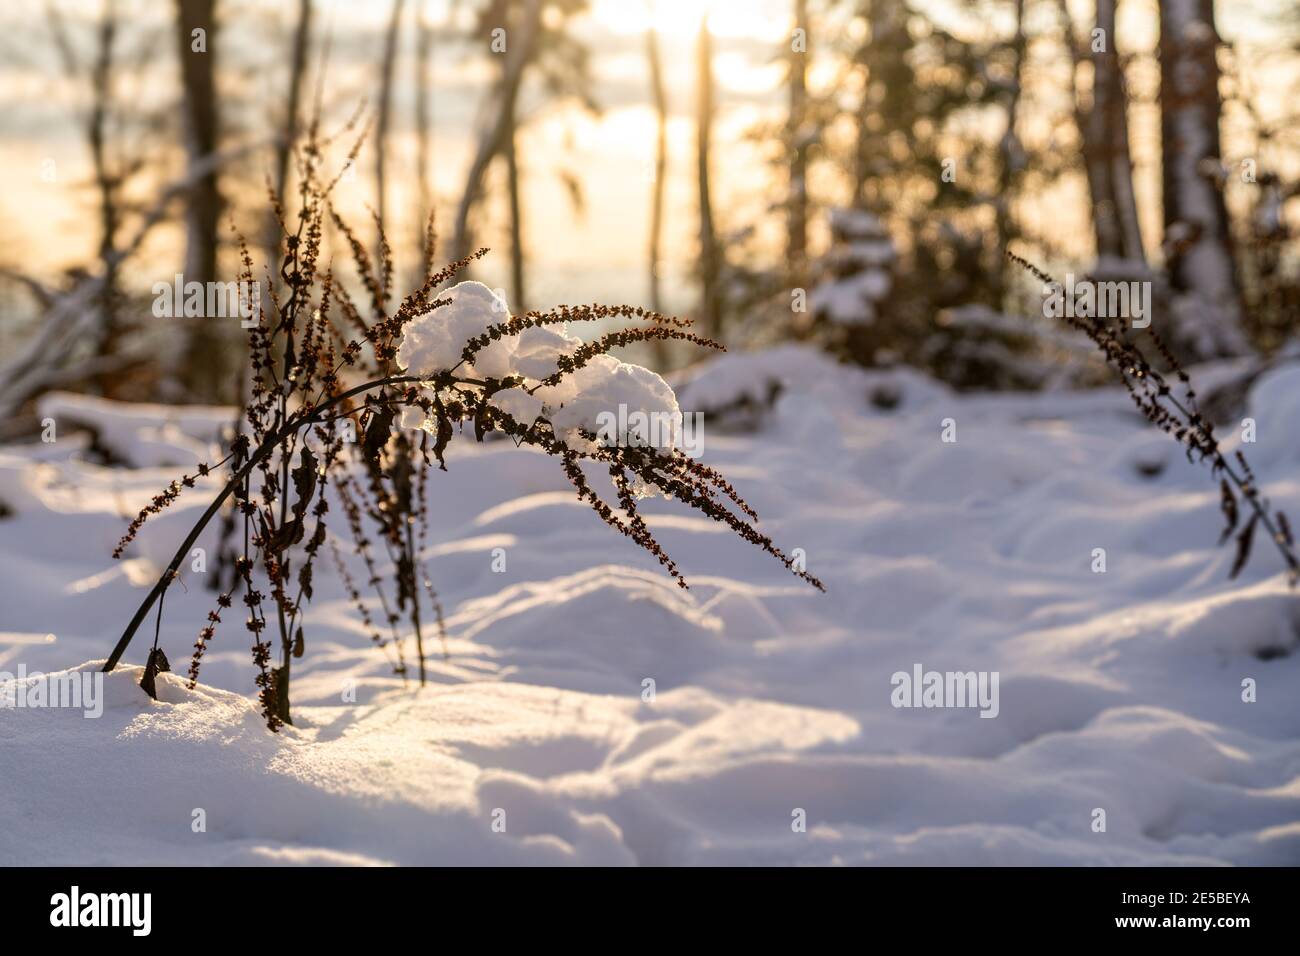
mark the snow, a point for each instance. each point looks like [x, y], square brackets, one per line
[433, 342]
[176, 435]
[1120, 691]
[859, 262]
[583, 401]
[586, 400]
[538, 349]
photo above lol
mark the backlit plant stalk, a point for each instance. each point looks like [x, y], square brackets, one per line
[278, 480]
[1182, 420]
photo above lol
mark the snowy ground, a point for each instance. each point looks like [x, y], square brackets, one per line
[1120, 691]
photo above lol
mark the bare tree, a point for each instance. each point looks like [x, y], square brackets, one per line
[108, 176]
[1109, 124]
[1106, 145]
[520, 48]
[1102, 125]
[385, 113]
[710, 266]
[1010, 149]
[517, 292]
[423, 135]
[201, 363]
[660, 98]
[528, 37]
[797, 143]
[52, 357]
[797, 138]
[1197, 243]
[297, 71]
[107, 182]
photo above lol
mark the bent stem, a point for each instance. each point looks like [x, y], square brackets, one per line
[1249, 491]
[268, 445]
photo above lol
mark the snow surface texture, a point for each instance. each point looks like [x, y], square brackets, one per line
[1119, 691]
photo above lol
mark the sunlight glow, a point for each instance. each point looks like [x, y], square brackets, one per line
[756, 19]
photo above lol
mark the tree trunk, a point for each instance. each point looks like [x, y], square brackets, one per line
[1106, 142]
[509, 149]
[1197, 243]
[796, 132]
[106, 185]
[521, 46]
[284, 148]
[1010, 150]
[517, 292]
[710, 300]
[660, 97]
[202, 363]
[423, 155]
[1103, 132]
[384, 115]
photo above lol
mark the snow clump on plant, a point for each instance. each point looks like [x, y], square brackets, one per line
[588, 400]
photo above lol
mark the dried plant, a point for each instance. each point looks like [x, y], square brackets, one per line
[1180, 417]
[320, 413]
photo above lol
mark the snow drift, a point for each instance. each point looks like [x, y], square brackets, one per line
[591, 712]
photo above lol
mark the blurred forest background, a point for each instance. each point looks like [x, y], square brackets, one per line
[843, 172]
